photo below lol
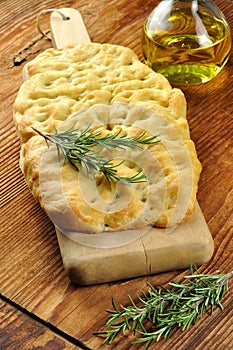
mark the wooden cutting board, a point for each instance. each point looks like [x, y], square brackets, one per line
[156, 251]
[143, 253]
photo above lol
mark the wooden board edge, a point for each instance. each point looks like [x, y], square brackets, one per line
[156, 251]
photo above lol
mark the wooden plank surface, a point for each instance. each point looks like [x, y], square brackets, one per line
[20, 331]
[31, 270]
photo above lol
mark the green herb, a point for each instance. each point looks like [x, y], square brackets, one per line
[78, 147]
[162, 310]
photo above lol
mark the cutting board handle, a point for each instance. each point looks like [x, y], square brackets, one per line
[68, 30]
[66, 26]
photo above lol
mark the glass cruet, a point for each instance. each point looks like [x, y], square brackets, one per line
[188, 41]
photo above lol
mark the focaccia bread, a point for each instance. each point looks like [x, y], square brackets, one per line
[76, 201]
[62, 82]
[78, 86]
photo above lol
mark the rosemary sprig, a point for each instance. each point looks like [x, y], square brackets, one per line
[78, 147]
[162, 310]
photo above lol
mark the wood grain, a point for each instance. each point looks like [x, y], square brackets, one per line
[20, 331]
[31, 270]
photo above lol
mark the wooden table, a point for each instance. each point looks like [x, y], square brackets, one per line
[39, 307]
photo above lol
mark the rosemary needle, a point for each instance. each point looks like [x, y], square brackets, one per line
[162, 310]
[78, 147]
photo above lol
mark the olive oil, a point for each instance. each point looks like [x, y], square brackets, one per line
[187, 43]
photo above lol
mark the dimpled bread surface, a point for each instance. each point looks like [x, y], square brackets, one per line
[68, 87]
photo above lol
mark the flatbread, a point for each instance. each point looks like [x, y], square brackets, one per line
[80, 84]
[77, 201]
[63, 82]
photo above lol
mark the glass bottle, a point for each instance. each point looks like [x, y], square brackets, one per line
[188, 41]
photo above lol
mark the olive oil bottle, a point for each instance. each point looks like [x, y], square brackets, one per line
[188, 41]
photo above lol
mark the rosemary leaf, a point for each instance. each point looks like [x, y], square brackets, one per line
[78, 147]
[162, 310]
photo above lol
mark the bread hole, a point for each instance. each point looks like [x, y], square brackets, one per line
[42, 117]
[109, 127]
[107, 222]
[165, 103]
[144, 78]
[132, 165]
[48, 84]
[127, 94]
[61, 117]
[97, 71]
[166, 171]
[144, 199]
[99, 180]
